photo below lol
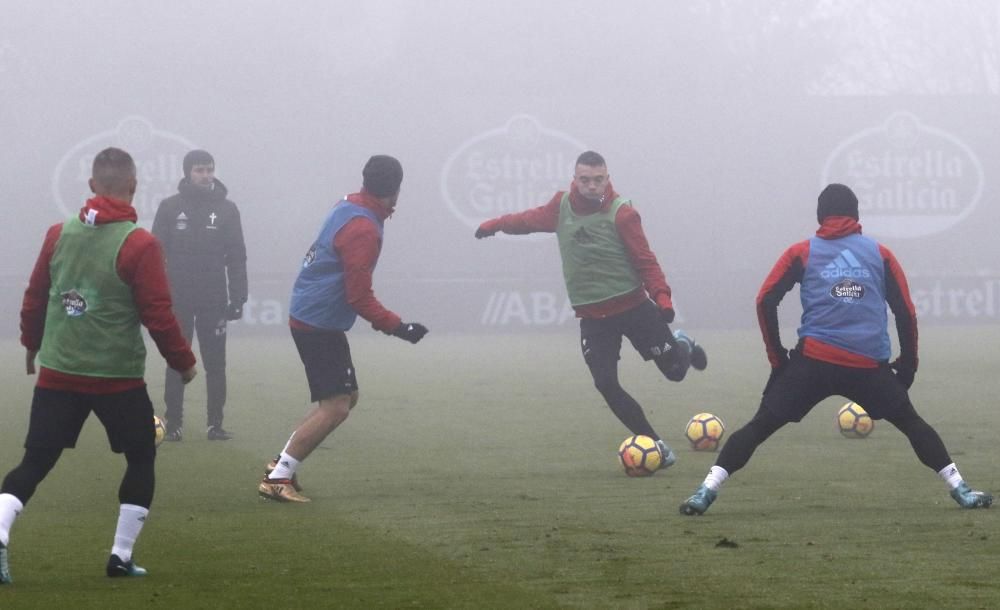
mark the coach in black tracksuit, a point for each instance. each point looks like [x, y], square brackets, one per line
[207, 265]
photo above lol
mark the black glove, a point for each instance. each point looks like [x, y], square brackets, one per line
[905, 372]
[481, 233]
[776, 371]
[667, 315]
[410, 331]
[234, 311]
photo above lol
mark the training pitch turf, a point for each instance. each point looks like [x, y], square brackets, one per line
[480, 472]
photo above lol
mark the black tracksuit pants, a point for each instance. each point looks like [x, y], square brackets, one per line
[209, 322]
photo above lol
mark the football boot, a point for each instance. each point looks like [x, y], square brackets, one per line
[4, 566]
[217, 433]
[281, 490]
[274, 464]
[118, 568]
[667, 456]
[970, 498]
[699, 502]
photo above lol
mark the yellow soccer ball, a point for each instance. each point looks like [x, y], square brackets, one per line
[159, 428]
[639, 456]
[705, 431]
[853, 421]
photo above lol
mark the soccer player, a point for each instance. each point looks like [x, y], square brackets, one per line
[202, 239]
[615, 285]
[333, 288]
[846, 281]
[97, 279]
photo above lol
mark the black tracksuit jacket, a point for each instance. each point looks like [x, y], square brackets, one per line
[203, 243]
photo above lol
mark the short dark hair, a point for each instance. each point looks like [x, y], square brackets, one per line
[196, 157]
[591, 159]
[382, 175]
[113, 171]
[837, 200]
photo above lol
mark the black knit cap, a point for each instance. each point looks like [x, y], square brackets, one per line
[382, 175]
[837, 200]
[196, 157]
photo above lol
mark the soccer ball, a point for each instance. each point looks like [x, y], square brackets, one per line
[639, 456]
[705, 431]
[853, 421]
[159, 428]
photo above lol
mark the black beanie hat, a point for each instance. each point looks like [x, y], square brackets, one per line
[382, 175]
[196, 157]
[837, 200]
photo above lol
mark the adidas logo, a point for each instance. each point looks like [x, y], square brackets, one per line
[182, 216]
[583, 237]
[844, 265]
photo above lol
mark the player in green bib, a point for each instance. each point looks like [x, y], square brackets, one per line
[97, 279]
[615, 285]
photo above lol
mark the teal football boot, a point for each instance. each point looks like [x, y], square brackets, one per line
[699, 502]
[970, 498]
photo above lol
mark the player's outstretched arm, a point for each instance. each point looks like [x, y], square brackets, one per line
[543, 219]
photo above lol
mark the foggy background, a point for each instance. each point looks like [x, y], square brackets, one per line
[721, 120]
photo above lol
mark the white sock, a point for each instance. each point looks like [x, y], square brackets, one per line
[131, 518]
[286, 467]
[717, 475]
[10, 508]
[951, 475]
[285, 450]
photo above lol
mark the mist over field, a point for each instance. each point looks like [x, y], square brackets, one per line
[720, 119]
[480, 467]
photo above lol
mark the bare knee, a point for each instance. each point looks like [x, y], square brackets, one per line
[337, 408]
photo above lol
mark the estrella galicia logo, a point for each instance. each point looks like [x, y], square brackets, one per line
[911, 179]
[507, 169]
[310, 257]
[844, 265]
[158, 159]
[74, 303]
[847, 290]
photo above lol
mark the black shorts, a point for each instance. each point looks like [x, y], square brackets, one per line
[327, 358]
[57, 417]
[601, 338]
[805, 382]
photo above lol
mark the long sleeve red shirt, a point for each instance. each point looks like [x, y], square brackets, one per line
[545, 219]
[140, 265]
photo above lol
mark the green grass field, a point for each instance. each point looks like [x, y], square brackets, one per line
[480, 472]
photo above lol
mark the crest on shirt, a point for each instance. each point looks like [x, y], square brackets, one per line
[847, 290]
[182, 221]
[310, 257]
[74, 303]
